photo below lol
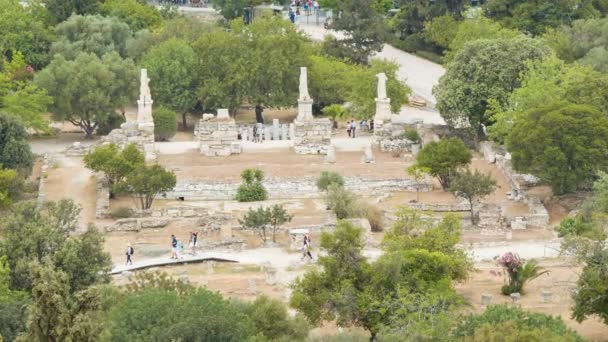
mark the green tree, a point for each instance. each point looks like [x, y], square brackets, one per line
[23, 31]
[548, 81]
[90, 34]
[328, 178]
[15, 152]
[19, 97]
[251, 189]
[164, 315]
[57, 315]
[114, 163]
[165, 124]
[13, 305]
[562, 143]
[335, 113]
[171, 66]
[271, 319]
[9, 187]
[61, 10]
[537, 16]
[327, 80]
[473, 29]
[278, 217]
[366, 28]
[146, 182]
[472, 186]
[522, 323]
[483, 70]
[413, 15]
[341, 201]
[138, 15]
[85, 89]
[591, 297]
[32, 234]
[444, 158]
[257, 220]
[441, 30]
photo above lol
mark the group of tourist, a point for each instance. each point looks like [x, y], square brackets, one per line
[177, 246]
[351, 127]
[309, 6]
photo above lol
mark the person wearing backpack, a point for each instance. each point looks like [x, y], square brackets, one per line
[130, 252]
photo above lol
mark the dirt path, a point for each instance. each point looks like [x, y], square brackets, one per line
[71, 179]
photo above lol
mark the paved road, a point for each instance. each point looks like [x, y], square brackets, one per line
[418, 73]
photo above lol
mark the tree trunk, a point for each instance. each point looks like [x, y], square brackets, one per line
[184, 122]
[259, 114]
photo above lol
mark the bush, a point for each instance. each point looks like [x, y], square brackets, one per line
[328, 178]
[412, 135]
[122, 212]
[252, 189]
[271, 319]
[165, 124]
[113, 121]
[372, 214]
[341, 201]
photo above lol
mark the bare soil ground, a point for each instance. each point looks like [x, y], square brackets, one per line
[69, 178]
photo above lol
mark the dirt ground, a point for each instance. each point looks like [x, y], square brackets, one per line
[69, 178]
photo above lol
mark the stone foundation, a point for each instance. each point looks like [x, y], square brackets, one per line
[312, 137]
[142, 135]
[217, 137]
[292, 188]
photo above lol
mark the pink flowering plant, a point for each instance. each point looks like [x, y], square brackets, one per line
[519, 272]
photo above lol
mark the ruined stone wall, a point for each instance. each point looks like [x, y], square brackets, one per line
[312, 137]
[133, 133]
[217, 137]
[290, 188]
[206, 220]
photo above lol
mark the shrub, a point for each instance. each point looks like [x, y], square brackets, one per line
[122, 212]
[113, 121]
[372, 214]
[165, 124]
[412, 135]
[251, 189]
[328, 178]
[341, 201]
[519, 271]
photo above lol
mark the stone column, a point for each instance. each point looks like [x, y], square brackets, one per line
[292, 131]
[304, 100]
[276, 129]
[144, 103]
[284, 132]
[383, 103]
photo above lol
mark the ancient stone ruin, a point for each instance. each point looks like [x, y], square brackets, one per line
[310, 135]
[218, 136]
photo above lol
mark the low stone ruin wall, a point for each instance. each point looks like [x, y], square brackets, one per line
[312, 137]
[276, 131]
[291, 188]
[218, 137]
[494, 154]
[102, 201]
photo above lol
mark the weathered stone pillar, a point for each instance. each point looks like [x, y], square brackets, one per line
[304, 100]
[276, 129]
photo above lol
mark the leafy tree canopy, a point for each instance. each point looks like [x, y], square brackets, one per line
[165, 124]
[483, 70]
[90, 34]
[24, 31]
[87, 89]
[146, 182]
[137, 14]
[444, 158]
[114, 163]
[564, 144]
[15, 152]
[413, 15]
[61, 10]
[472, 186]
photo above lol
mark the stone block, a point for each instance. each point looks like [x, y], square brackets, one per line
[153, 223]
[486, 299]
[545, 296]
[515, 297]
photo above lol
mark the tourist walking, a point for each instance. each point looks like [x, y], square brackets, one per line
[173, 247]
[193, 242]
[348, 129]
[353, 128]
[129, 255]
[306, 248]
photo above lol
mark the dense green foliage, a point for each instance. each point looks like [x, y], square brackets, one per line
[15, 152]
[444, 158]
[138, 15]
[115, 164]
[165, 124]
[520, 326]
[416, 267]
[87, 89]
[251, 189]
[483, 71]
[172, 80]
[563, 144]
[33, 235]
